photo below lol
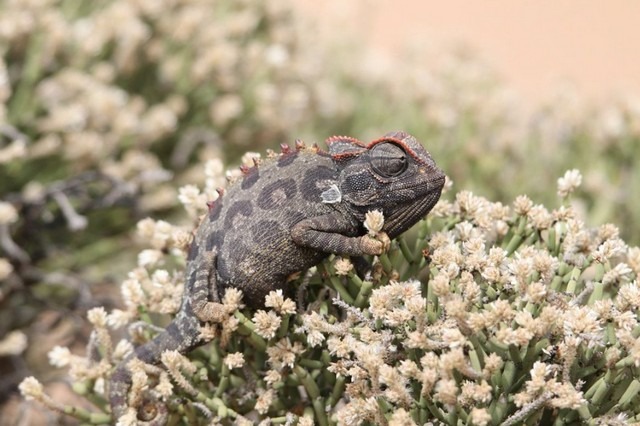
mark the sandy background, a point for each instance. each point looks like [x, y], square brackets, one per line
[536, 46]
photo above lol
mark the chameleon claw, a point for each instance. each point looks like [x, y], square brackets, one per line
[375, 246]
[385, 240]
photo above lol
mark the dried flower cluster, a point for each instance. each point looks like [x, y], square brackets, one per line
[491, 314]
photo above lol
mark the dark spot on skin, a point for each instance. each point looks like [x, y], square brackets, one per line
[215, 240]
[146, 353]
[273, 195]
[243, 208]
[287, 159]
[250, 179]
[214, 211]
[193, 251]
[310, 188]
[174, 332]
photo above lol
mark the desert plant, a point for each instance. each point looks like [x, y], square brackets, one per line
[486, 314]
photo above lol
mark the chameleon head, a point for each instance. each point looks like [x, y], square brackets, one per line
[394, 174]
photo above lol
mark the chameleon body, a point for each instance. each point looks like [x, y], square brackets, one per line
[286, 216]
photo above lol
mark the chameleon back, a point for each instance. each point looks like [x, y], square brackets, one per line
[249, 228]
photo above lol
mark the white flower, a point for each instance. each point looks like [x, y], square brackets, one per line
[31, 388]
[149, 257]
[60, 356]
[14, 343]
[97, 316]
[374, 220]
[569, 182]
[132, 293]
[266, 323]
[146, 228]
[279, 303]
[234, 360]
[123, 349]
[189, 196]
[119, 318]
[161, 278]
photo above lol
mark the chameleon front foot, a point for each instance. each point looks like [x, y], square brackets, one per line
[375, 246]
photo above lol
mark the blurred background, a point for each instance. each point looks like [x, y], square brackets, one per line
[536, 47]
[107, 108]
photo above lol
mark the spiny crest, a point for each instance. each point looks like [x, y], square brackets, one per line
[211, 204]
[245, 169]
[248, 171]
[345, 147]
[285, 148]
[408, 143]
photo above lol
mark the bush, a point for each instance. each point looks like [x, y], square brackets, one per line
[490, 314]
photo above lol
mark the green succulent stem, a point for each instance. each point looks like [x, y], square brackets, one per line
[337, 391]
[336, 283]
[386, 263]
[224, 381]
[247, 327]
[283, 329]
[630, 393]
[314, 393]
[87, 416]
[363, 295]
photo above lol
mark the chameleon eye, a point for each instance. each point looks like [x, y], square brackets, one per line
[388, 159]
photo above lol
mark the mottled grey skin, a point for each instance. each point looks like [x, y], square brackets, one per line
[284, 217]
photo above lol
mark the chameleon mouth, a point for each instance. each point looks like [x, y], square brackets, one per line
[406, 215]
[433, 185]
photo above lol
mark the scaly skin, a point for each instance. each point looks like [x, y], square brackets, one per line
[284, 217]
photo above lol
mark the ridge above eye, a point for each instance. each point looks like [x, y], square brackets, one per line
[388, 159]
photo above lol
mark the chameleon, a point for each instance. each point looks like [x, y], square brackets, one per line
[284, 216]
